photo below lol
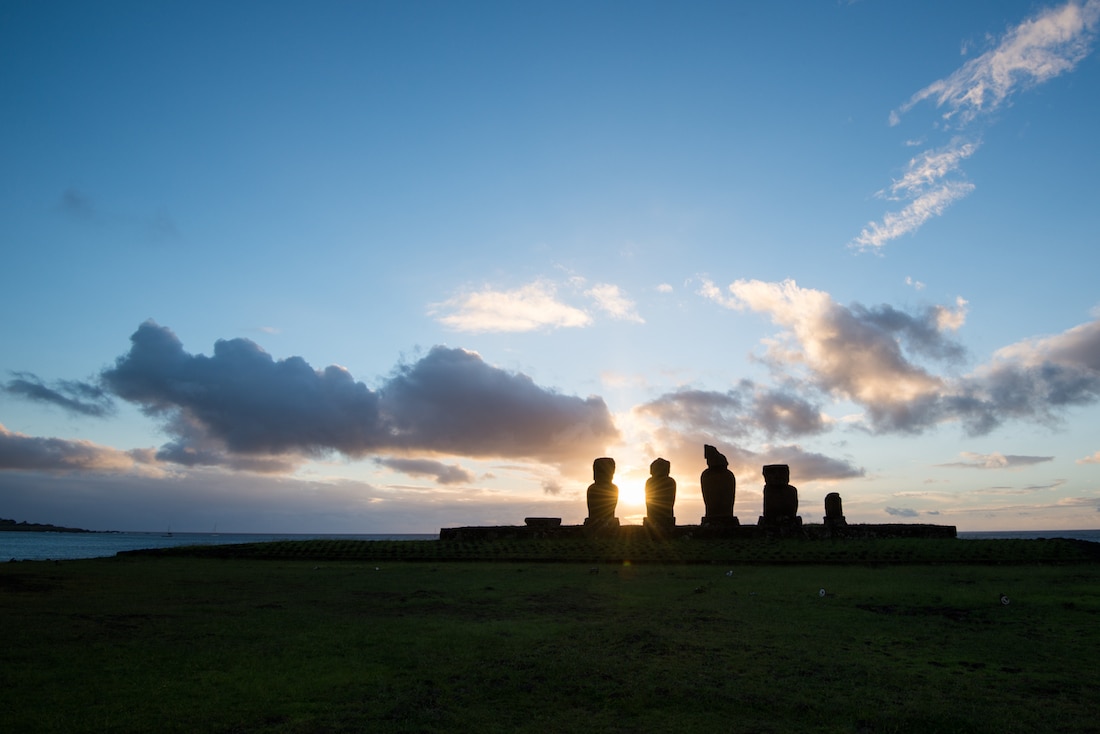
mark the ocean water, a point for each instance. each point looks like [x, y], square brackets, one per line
[1090, 535]
[25, 546]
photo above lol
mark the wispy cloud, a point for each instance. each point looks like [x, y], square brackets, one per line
[443, 473]
[1039, 49]
[74, 396]
[996, 460]
[929, 204]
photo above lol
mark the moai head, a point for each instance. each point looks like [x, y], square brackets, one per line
[715, 460]
[660, 468]
[603, 470]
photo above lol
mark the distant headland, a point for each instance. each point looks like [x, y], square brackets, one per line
[7, 525]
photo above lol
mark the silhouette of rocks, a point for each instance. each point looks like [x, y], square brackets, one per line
[834, 510]
[603, 495]
[660, 496]
[780, 498]
[719, 489]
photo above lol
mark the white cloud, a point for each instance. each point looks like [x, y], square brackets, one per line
[1094, 459]
[528, 308]
[611, 300]
[928, 168]
[1039, 49]
[895, 224]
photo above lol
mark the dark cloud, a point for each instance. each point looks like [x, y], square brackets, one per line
[443, 473]
[21, 452]
[685, 449]
[921, 333]
[74, 396]
[451, 401]
[902, 512]
[241, 402]
[737, 413]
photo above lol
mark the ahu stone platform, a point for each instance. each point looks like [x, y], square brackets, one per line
[551, 528]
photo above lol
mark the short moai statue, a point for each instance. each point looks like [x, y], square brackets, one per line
[835, 524]
[660, 497]
[780, 498]
[603, 495]
[834, 510]
[719, 489]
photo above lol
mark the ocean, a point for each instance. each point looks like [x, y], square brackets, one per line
[26, 546]
[30, 546]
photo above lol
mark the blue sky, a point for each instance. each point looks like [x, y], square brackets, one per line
[391, 267]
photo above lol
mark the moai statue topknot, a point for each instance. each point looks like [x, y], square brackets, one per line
[603, 495]
[780, 498]
[719, 488]
[660, 496]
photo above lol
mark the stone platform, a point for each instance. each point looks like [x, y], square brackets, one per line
[546, 528]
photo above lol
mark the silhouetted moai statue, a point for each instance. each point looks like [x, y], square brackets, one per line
[719, 488]
[660, 496]
[780, 498]
[603, 495]
[834, 511]
[835, 524]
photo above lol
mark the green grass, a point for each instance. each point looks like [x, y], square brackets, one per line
[185, 644]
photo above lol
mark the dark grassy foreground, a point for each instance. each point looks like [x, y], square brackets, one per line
[194, 644]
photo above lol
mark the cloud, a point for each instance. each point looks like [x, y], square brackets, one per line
[902, 512]
[241, 405]
[611, 300]
[870, 356]
[1094, 459]
[1049, 44]
[528, 308]
[855, 353]
[929, 204]
[83, 398]
[925, 169]
[1041, 48]
[739, 412]
[996, 461]
[21, 452]
[443, 473]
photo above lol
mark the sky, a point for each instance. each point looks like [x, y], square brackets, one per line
[389, 267]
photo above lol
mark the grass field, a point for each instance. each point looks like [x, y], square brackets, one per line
[276, 643]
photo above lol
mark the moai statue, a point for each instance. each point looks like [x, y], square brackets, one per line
[660, 496]
[719, 487]
[603, 495]
[834, 511]
[780, 498]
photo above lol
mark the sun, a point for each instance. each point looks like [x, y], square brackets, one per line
[631, 493]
